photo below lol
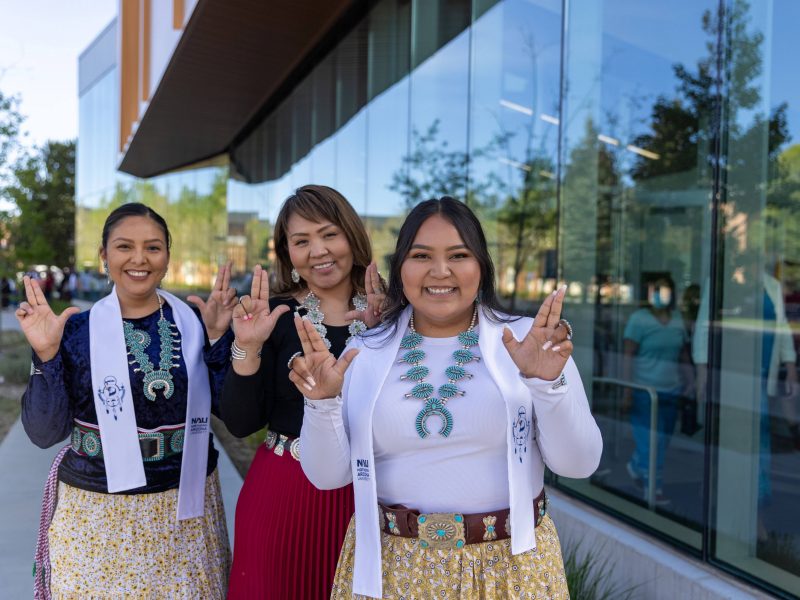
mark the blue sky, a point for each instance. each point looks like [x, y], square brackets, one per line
[40, 41]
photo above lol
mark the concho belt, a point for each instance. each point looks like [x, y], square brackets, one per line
[279, 443]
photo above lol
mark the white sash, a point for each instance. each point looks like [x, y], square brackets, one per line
[113, 401]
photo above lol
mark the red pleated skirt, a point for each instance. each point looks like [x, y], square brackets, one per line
[288, 533]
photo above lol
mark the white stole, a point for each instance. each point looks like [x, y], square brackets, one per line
[113, 401]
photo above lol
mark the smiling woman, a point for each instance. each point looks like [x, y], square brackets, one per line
[139, 510]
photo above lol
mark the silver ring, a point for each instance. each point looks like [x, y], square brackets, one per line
[567, 326]
[292, 357]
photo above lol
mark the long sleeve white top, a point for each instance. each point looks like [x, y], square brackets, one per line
[544, 423]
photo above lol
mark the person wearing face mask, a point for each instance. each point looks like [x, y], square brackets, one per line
[133, 505]
[287, 533]
[655, 348]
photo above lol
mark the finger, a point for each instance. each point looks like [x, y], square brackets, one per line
[197, 301]
[247, 304]
[560, 334]
[563, 349]
[226, 276]
[238, 311]
[317, 344]
[300, 367]
[555, 309]
[37, 290]
[229, 297]
[509, 341]
[67, 313]
[352, 315]
[281, 309]
[264, 291]
[218, 279]
[345, 360]
[255, 285]
[372, 278]
[300, 383]
[29, 293]
[305, 341]
[544, 311]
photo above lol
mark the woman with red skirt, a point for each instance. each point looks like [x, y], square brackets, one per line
[288, 534]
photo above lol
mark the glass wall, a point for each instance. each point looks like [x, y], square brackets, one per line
[641, 151]
[192, 201]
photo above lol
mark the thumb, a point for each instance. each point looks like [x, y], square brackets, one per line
[509, 341]
[351, 315]
[279, 310]
[345, 360]
[197, 301]
[68, 312]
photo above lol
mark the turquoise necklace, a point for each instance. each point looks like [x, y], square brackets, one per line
[138, 341]
[418, 372]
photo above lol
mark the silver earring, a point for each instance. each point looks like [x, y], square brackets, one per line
[108, 276]
[295, 276]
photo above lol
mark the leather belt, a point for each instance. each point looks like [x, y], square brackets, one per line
[452, 530]
[279, 443]
[156, 444]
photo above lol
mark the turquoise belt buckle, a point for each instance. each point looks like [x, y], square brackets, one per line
[153, 446]
[441, 531]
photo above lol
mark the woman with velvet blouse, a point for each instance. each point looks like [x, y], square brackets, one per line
[133, 505]
[443, 419]
[288, 533]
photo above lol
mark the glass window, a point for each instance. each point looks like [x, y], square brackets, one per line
[634, 244]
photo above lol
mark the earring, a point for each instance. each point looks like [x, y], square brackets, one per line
[108, 276]
[295, 275]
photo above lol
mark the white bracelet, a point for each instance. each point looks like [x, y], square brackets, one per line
[238, 354]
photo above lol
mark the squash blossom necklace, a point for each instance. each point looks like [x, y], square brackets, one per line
[138, 341]
[418, 372]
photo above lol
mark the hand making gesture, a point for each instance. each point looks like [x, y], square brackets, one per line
[544, 351]
[217, 309]
[42, 327]
[253, 321]
[317, 373]
[376, 295]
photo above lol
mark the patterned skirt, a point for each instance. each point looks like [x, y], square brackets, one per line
[487, 571]
[288, 533]
[133, 546]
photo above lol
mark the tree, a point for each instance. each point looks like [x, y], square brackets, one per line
[42, 188]
[10, 121]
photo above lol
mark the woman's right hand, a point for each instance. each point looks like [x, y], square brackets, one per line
[317, 374]
[42, 327]
[253, 321]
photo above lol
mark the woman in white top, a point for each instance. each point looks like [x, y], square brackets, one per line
[443, 422]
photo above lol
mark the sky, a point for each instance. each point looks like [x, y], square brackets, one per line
[40, 41]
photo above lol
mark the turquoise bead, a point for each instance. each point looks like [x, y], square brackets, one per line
[414, 356]
[448, 390]
[417, 373]
[411, 340]
[490, 528]
[440, 532]
[460, 544]
[468, 338]
[421, 391]
[424, 544]
[421, 519]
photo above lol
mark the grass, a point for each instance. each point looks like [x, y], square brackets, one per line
[15, 368]
[589, 576]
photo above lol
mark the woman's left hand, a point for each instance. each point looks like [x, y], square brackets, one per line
[217, 309]
[376, 296]
[544, 351]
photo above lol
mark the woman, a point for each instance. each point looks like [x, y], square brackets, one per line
[288, 534]
[132, 382]
[443, 422]
[656, 357]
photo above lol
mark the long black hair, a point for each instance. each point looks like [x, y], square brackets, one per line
[471, 232]
[134, 209]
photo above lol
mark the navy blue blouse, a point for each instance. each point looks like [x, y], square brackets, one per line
[63, 392]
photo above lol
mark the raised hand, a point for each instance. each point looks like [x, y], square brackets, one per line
[217, 309]
[376, 296]
[253, 321]
[544, 350]
[42, 327]
[317, 374]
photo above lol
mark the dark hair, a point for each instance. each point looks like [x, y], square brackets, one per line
[320, 203]
[471, 232]
[134, 209]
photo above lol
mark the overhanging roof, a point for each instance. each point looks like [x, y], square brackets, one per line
[233, 56]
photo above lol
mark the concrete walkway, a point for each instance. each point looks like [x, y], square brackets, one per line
[23, 471]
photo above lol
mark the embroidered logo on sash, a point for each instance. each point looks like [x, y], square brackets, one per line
[112, 395]
[520, 429]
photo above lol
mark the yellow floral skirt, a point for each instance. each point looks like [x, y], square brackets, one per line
[133, 546]
[487, 571]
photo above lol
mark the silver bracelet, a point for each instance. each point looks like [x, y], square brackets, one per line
[238, 354]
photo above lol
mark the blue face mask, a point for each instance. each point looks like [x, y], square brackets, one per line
[660, 297]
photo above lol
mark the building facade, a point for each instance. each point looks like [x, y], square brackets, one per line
[643, 152]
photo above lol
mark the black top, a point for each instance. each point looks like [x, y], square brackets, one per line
[62, 391]
[250, 402]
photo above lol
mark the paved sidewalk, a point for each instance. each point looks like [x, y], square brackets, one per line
[23, 471]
